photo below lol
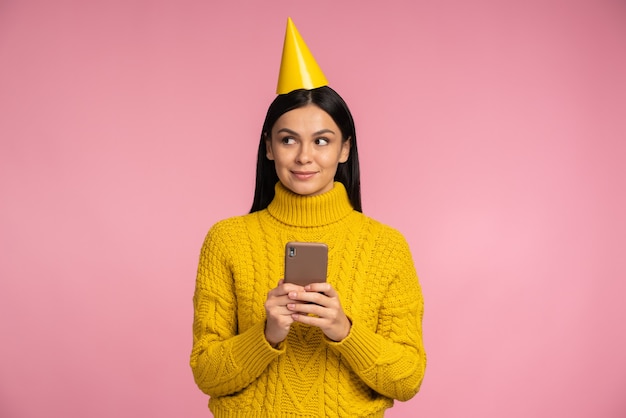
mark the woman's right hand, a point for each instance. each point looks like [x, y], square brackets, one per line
[279, 318]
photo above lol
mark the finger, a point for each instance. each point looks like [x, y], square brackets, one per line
[278, 301]
[303, 318]
[291, 287]
[323, 287]
[316, 298]
[305, 308]
[284, 288]
[304, 296]
[281, 311]
[279, 308]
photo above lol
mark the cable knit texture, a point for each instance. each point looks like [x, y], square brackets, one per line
[370, 266]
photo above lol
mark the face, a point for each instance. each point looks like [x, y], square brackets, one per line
[306, 146]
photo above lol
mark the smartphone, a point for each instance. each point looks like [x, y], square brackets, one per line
[305, 262]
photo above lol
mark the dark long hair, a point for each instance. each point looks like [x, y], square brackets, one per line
[328, 100]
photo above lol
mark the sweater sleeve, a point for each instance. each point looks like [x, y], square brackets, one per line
[391, 360]
[223, 361]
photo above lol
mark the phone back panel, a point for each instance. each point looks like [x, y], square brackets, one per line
[306, 262]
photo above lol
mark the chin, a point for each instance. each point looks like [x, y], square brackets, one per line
[304, 192]
[311, 191]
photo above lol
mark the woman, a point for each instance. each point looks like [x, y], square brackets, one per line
[346, 347]
[256, 352]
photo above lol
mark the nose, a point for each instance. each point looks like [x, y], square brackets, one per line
[304, 154]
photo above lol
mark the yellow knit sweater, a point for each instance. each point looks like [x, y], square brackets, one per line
[370, 266]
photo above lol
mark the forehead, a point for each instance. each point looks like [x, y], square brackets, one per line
[306, 118]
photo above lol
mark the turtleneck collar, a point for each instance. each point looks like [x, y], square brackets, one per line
[297, 210]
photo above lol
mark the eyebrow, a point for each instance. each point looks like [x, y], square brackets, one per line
[320, 132]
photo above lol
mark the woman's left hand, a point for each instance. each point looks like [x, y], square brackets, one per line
[325, 307]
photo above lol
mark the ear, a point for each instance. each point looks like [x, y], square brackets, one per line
[268, 148]
[345, 150]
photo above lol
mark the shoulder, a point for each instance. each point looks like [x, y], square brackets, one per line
[392, 252]
[388, 243]
[223, 239]
[233, 226]
[224, 232]
[384, 232]
[226, 226]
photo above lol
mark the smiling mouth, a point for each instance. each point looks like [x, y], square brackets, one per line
[303, 175]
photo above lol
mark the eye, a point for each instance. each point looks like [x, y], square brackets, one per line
[287, 140]
[321, 141]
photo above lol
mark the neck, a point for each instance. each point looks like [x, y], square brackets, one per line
[298, 210]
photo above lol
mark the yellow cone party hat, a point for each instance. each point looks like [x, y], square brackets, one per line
[298, 68]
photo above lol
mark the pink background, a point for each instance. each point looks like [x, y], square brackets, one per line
[492, 134]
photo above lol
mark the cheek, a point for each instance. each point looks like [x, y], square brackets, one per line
[331, 159]
[281, 161]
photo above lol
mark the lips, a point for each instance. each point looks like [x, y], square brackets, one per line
[303, 175]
